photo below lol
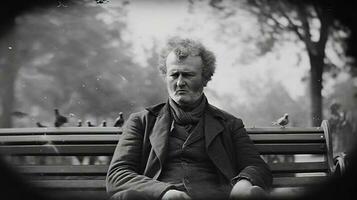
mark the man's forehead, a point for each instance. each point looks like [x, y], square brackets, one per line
[173, 59]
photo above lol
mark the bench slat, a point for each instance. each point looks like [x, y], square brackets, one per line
[59, 131]
[298, 167]
[297, 181]
[100, 184]
[108, 149]
[298, 137]
[102, 169]
[283, 138]
[58, 150]
[65, 170]
[115, 130]
[60, 139]
[293, 130]
[299, 148]
[114, 138]
[71, 184]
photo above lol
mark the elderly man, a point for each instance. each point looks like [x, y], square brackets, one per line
[186, 148]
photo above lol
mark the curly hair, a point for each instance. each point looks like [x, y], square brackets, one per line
[186, 47]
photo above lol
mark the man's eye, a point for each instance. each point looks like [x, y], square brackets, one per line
[173, 75]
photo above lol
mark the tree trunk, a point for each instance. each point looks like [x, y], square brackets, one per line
[9, 73]
[8, 93]
[316, 70]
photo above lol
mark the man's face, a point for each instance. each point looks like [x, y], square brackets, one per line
[184, 79]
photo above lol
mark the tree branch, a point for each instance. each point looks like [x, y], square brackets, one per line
[311, 46]
[293, 27]
[267, 13]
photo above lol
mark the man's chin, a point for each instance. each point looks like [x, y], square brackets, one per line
[182, 101]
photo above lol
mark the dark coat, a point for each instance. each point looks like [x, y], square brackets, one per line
[140, 154]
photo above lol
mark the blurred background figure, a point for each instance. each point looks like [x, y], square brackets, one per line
[343, 135]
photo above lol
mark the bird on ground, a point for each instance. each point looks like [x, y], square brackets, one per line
[60, 119]
[119, 121]
[89, 124]
[40, 125]
[79, 123]
[104, 123]
[283, 121]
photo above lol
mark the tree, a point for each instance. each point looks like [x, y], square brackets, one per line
[9, 66]
[71, 61]
[80, 64]
[313, 25]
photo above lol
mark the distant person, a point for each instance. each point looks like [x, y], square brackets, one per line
[186, 148]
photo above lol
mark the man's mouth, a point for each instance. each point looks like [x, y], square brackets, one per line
[181, 91]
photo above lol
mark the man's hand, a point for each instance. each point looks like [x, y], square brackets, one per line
[175, 195]
[245, 189]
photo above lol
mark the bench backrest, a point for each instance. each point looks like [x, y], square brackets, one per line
[273, 144]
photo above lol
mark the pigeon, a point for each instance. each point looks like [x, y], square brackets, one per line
[104, 123]
[119, 121]
[283, 121]
[79, 123]
[89, 124]
[60, 120]
[40, 125]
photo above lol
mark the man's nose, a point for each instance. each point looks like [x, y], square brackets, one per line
[180, 81]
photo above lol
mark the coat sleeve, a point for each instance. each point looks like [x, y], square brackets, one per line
[124, 170]
[249, 163]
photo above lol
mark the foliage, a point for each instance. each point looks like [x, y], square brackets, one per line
[309, 23]
[80, 65]
[266, 104]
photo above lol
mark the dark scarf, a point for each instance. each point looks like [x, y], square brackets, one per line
[188, 117]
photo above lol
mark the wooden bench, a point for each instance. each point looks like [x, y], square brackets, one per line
[68, 178]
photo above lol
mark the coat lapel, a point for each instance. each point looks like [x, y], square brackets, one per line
[214, 146]
[159, 136]
[212, 128]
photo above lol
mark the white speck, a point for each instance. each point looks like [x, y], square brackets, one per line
[60, 4]
[10, 47]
